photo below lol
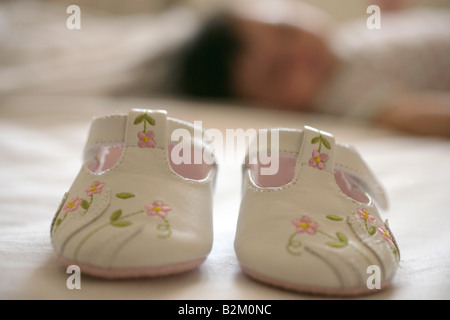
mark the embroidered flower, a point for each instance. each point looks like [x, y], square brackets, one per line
[305, 225]
[386, 235]
[95, 188]
[318, 160]
[157, 209]
[72, 205]
[146, 139]
[364, 214]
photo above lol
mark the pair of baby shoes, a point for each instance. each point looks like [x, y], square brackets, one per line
[142, 206]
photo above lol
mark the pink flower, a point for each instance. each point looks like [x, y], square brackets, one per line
[157, 209]
[146, 139]
[364, 214]
[72, 205]
[305, 225]
[96, 187]
[318, 160]
[386, 235]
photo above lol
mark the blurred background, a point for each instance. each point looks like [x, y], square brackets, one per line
[341, 10]
[122, 48]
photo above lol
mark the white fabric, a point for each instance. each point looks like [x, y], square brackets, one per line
[108, 54]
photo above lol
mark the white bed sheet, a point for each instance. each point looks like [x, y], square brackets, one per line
[41, 141]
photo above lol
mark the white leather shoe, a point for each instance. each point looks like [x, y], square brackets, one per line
[314, 226]
[133, 212]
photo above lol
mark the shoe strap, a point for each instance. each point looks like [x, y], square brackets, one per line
[123, 129]
[349, 160]
[311, 147]
[340, 157]
[107, 130]
[318, 149]
[146, 129]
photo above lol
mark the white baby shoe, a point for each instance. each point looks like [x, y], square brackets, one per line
[314, 226]
[134, 210]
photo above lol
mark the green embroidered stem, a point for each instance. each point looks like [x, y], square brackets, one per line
[131, 214]
[340, 241]
[86, 205]
[326, 234]
[90, 234]
[372, 230]
[90, 202]
[394, 250]
[293, 244]
[343, 244]
[165, 227]
[321, 140]
[145, 125]
[59, 221]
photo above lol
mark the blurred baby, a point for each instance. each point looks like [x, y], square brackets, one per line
[288, 55]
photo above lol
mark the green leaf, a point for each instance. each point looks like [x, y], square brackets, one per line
[149, 119]
[139, 119]
[341, 237]
[335, 218]
[372, 230]
[116, 215]
[120, 223]
[125, 195]
[325, 142]
[315, 140]
[58, 222]
[85, 204]
[336, 244]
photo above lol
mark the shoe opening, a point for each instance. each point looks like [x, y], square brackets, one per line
[348, 183]
[107, 156]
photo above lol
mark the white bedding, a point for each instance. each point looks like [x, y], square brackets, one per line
[43, 126]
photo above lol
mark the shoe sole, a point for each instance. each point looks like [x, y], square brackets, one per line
[130, 273]
[336, 292]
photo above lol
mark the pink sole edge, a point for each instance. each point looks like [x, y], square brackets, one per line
[133, 273]
[338, 292]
